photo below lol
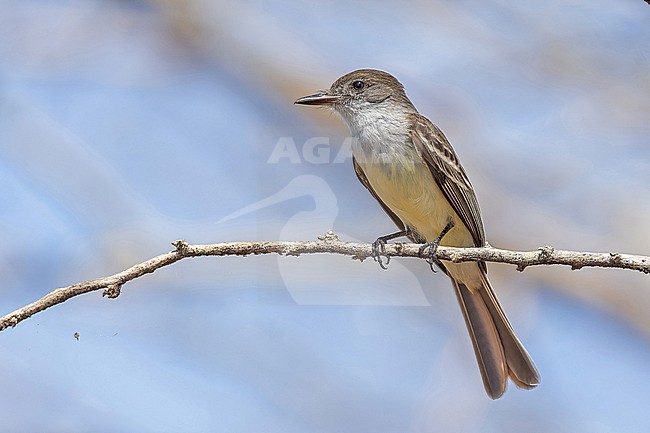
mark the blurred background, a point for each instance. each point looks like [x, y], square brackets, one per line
[125, 125]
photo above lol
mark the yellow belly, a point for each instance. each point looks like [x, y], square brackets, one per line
[410, 191]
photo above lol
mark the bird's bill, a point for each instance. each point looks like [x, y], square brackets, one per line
[320, 98]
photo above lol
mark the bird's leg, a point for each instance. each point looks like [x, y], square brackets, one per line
[379, 247]
[433, 247]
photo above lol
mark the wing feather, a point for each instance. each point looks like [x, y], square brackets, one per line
[448, 174]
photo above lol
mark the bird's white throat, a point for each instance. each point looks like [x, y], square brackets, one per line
[378, 130]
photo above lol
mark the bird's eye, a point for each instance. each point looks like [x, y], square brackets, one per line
[358, 85]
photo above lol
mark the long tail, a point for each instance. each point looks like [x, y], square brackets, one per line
[498, 350]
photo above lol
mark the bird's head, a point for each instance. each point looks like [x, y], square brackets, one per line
[364, 92]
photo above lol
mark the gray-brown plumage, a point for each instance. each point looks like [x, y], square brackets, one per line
[409, 167]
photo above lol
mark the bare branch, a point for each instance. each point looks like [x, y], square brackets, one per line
[328, 243]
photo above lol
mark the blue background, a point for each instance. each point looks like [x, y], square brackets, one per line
[125, 125]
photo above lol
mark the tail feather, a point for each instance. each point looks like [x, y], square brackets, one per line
[485, 339]
[498, 351]
[522, 369]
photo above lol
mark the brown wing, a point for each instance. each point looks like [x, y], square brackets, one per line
[449, 174]
[364, 180]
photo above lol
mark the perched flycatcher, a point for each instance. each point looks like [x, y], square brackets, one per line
[409, 167]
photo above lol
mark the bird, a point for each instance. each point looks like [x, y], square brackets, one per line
[408, 165]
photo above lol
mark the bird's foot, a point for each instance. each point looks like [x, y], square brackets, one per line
[428, 252]
[379, 250]
[428, 249]
[379, 247]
